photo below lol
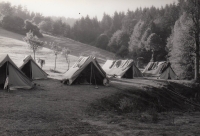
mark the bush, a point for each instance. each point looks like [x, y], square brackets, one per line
[13, 23]
[33, 28]
[102, 41]
[126, 104]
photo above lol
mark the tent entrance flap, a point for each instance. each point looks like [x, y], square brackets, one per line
[128, 73]
[90, 74]
[27, 70]
[3, 71]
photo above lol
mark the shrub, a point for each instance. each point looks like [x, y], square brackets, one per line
[13, 23]
[33, 28]
[126, 104]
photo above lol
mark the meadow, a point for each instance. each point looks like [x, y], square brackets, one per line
[124, 108]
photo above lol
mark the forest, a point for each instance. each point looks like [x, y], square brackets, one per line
[169, 33]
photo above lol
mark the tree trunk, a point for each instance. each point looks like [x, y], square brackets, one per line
[196, 76]
[55, 62]
[34, 54]
[68, 64]
[153, 56]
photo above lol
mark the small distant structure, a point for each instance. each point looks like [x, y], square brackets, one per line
[42, 62]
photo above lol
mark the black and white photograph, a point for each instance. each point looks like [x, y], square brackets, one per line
[99, 68]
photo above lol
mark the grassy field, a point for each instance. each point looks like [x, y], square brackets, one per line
[76, 48]
[126, 107]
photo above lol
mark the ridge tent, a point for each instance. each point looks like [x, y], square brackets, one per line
[86, 70]
[161, 70]
[11, 77]
[31, 69]
[121, 69]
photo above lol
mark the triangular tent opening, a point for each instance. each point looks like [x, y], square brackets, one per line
[121, 69]
[11, 77]
[161, 70]
[32, 70]
[86, 71]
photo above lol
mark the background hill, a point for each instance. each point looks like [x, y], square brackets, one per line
[12, 44]
[77, 48]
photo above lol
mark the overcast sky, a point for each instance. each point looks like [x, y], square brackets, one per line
[79, 8]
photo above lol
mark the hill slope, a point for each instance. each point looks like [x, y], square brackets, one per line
[77, 48]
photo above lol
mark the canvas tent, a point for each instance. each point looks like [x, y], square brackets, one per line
[11, 76]
[32, 70]
[161, 70]
[86, 70]
[121, 69]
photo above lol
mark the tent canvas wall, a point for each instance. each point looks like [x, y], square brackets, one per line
[85, 70]
[161, 70]
[32, 70]
[11, 75]
[121, 69]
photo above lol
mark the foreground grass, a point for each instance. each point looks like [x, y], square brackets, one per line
[51, 108]
[145, 110]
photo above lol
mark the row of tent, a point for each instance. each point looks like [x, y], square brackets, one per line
[85, 70]
[128, 69]
[13, 77]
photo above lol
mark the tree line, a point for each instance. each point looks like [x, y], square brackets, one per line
[20, 20]
[151, 34]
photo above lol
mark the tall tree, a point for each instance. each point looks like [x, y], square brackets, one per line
[116, 22]
[181, 48]
[193, 10]
[119, 43]
[128, 22]
[154, 44]
[6, 9]
[105, 23]
[33, 42]
[135, 39]
[57, 27]
[65, 53]
[56, 49]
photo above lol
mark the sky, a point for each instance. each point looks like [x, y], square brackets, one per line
[78, 8]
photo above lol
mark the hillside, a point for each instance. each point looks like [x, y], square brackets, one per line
[77, 48]
[126, 107]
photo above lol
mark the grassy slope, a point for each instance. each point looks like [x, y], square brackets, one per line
[77, 48]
